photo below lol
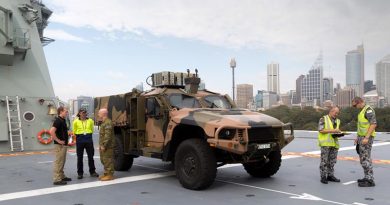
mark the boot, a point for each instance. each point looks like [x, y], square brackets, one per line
[367, 183]
[333, 179]
[362, 180]
[107, 178]
[324, 180]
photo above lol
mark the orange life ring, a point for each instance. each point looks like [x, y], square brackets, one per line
[73, 137]
[46, 140]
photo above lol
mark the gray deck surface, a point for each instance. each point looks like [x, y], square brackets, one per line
[27, 180]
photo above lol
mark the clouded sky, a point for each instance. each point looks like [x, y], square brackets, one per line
[107, 47]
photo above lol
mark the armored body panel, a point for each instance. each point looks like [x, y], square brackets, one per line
[193, 128]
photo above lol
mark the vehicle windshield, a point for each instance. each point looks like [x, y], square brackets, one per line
[217, 101]
[183, 101]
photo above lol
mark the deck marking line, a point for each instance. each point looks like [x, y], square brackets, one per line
[45, 162]
[72, 187]
[304, 196]
[348, 183]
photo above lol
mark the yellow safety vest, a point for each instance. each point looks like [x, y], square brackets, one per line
[326, 140]
[363, 123]
[82, 127]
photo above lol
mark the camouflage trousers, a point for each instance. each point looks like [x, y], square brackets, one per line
[328, 160]
[365, 157]
[107, 159]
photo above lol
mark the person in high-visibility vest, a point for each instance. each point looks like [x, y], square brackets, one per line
[365, 137]
[83, 129]
[328, 125]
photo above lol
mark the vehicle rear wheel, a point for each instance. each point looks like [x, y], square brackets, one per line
[122, 162]
[195, 164]
[263, 169]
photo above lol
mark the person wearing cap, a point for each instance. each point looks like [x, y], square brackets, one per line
[83, 129]
[365, 137]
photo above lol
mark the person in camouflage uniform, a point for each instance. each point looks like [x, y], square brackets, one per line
[327, 126]
[106, 145]
[365, 137]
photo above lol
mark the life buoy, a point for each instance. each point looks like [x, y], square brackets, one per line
[72, 136]
[46, 140]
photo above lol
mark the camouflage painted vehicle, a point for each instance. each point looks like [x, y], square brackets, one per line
[197, 131]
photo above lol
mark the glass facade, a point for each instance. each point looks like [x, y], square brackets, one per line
[355, 70]
[383, 78]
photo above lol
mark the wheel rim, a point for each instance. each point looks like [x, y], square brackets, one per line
[189, 166]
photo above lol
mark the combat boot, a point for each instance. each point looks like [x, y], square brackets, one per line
[107, 178]
[362, 180]
[333, 179]
[324, 180]
[367, 183]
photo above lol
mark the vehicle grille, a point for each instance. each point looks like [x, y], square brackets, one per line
[262, 134]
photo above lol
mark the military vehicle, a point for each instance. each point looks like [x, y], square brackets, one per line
[27, 100]
[196, 130]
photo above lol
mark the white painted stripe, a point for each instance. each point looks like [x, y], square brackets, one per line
[349, 148]
[73, 187]
[348, 183]
[45, 162]
[356, 203]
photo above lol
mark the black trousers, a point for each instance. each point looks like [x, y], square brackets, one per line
[88, 146]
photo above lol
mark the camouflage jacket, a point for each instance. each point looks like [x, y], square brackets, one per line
[106, 134]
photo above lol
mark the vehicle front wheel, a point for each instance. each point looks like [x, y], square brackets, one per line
[195, 164]
[264, 169]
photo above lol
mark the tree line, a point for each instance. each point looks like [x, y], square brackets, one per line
[307, 118]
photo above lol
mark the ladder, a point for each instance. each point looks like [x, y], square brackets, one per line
[14, 123]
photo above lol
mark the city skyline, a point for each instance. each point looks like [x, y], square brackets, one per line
[99, 53]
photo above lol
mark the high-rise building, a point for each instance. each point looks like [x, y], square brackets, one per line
[355, 70]
[285, 99]
[259, 99]
[328, 89]
[244, 95]
[269, 99]
[383, 78]
[369, 85]
[344, 97]
[298, 88]
[273, 84]
[312, 84]
[371, 98]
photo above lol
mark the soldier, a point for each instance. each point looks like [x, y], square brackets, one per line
[328, 125]
[83, 129]
[106, 145]
[59, 132]
[365, 136]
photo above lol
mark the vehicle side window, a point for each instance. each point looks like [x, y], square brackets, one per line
[152, 107]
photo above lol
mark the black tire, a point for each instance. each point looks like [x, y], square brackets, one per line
[195, 164]
[263, 170]
[122, 162]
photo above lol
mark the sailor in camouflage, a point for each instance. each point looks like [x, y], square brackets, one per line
[106, 145]
[365, 137]
[328, 125]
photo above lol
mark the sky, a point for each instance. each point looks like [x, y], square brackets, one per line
[108, 47]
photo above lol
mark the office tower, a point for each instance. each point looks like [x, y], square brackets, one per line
[328, 89]
[244, 95]
[383, 78]
[355, 70]
[259, 99]
[273, 84]
[344, 97]
[298, 88]
[269, 99]
[312, 84]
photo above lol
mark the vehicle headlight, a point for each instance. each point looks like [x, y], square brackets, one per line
[226, 134]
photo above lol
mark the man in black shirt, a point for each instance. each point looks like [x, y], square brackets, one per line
[59, 132]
